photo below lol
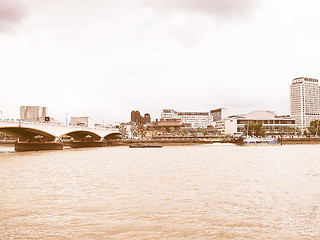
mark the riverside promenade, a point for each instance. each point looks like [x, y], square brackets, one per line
[200, 140]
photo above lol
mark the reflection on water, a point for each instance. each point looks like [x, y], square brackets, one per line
[6, 148]
[188, 192]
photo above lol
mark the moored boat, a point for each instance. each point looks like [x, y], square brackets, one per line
[259, 142]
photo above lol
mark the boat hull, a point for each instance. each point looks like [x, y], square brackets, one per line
[145, 146]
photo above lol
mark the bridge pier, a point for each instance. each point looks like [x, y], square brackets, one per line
[37, 146]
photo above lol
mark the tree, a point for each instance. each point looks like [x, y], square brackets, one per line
[248, 129]
[172, 130]
[314, 128]
[272, 131]
[163, 130]
[205, 132]
[254, 129]
[259, 130]
[134, 131]
[142, 130]
[183, 132]
[123, 130]
[297, 131]
[152, 130]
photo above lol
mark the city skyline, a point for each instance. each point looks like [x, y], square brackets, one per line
[105, 59]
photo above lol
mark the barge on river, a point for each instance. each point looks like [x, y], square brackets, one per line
[259, 142]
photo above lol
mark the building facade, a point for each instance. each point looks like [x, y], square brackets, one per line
[167, 124]
[34, 113]
[304, 101]
[271, 123]
[219, 114]
[196, 119]
[137, 118]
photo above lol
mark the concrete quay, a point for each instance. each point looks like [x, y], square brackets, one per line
[300, 141]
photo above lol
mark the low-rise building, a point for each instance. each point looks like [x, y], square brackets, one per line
[271, 123]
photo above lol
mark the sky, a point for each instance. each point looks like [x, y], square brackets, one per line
[105, 58]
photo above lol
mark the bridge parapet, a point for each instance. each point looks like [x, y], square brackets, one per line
[55, 128]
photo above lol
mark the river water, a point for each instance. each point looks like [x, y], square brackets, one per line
[176, 192]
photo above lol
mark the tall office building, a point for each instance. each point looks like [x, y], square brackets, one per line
[304, 101]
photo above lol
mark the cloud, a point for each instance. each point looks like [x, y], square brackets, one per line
[11, 13]
[222, 10]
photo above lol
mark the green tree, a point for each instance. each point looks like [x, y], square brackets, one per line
[142, 130]
[314, 128]
[254, 129]
[123, 130]
[248, 129]
[163, 130]
[134, 131]
[184, 131]
[259, 130]
[172, 130]
[205, 132]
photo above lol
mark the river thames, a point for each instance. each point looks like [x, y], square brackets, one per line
[175, 192]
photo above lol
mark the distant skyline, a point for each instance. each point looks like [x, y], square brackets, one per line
[106, 58]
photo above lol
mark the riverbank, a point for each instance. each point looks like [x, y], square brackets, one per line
[7, 142]
[179, 142]
[169, 142]
[300, 140]
[187, 141]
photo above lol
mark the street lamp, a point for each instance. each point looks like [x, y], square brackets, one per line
[66, 119]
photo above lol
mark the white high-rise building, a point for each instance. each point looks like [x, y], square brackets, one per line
[304, 101]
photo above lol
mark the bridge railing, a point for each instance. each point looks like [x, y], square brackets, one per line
[56, 124]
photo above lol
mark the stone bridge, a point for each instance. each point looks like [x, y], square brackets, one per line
[43, 133]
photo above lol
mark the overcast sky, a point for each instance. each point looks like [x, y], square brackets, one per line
[104, 58]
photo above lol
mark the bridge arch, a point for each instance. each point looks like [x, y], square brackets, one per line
[80, 135]
[114, 135]
[26, 133]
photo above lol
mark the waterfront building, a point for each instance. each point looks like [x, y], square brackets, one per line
[196, 119]
[34, 113]
[219, 114]
[270, 122]
[304, 101]
[167, 124]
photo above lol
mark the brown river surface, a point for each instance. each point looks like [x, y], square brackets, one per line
[176, 192]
